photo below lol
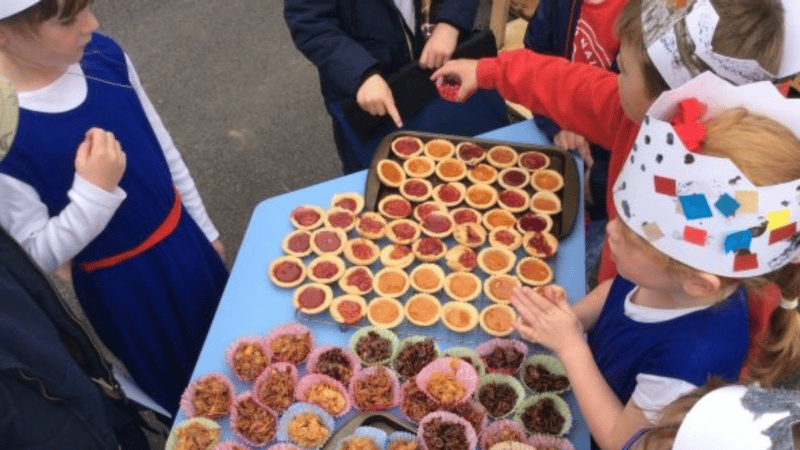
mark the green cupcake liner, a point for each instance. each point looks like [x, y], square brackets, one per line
[551, 363]
[388, 334]
[502, 379]
[464, 352]
[413, 340]
[561, 406]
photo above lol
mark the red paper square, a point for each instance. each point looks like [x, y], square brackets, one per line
[782, 233]
[745, 262]
[665, 186]
[695, 235]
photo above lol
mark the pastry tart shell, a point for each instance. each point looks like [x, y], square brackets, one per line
[397, 143]
[543, 196]
[357, 260]
[349, 196]
[491, 293]
[334, 307]
[382, 276]
[495, 242]
[451, 290]
[419, 166]
[291, 259]
[491, 269]
[340, 211]
[493, 156]
[312, 226]
[439, 149]
[369, 234]
[390, 173]
[335, 260]
[391, 234]
[546, 272]
[400, 263]
[372, 312]
[339, 234]
[429, 269]
[446, 166]
[288, 238]
[325, 304]
[487, 312]
[466, 308]
[481, 196]
[415, 301]
[352, 289]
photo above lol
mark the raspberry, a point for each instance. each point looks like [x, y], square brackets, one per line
[448, 87]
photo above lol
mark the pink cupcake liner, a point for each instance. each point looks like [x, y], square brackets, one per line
[187, 404]
[370, 371]
[256, 340]
[402, 399]
[472, 438]
[486, 348]
[282, 367]
[230, 445]
[464, 373]
[283, 446]
[492, 432]
[312, 379]
[289, 328]
[313, 359]
[473, 406]
[550, 441]
[235, 415]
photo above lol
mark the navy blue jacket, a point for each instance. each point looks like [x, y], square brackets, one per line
[349, 39]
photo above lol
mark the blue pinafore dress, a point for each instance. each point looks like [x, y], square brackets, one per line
[154, 309]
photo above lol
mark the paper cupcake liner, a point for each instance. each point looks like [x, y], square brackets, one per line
[300, 408]
[187, 404]
[491, 434]
[388, 334]
[472, 438]
[550, 441]
[281, 366]
[472, 355]
[400, 436]
[414, 339]
[513, 446]
[406, 413]
[310, 380]
[478, 416]
[313, 359]
[172, 440]
[502, 379]
[486, 348]
[231, 350]
[281, 330]
[235, 415]
[550, 362]
[230, 445]
[377, 436]
[464, 373]
[370, 371]
[283, 446]
[561, 406]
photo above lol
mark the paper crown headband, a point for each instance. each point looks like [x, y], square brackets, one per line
[678, 35]
[9, 116]
[10, 7]
[741, 418]
[702, 210]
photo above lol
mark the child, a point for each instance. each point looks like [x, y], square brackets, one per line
[706, 208]
[147, 264]
[607, 109]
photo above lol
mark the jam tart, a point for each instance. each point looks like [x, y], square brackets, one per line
[351, 201]
[287, 271]
[403, 231]
[328, 241]
[533, 160]
[312, 298]
[307, 217]
[423, 310]
[361, 251]
[544, 202]
[385, 312]
[422, 210]
[482, 173]
[497, 320]
[462, 286]
[505, 237]
[541, 245]
[438, 225]
[371, 225]
[531, 221]
[450, 194]
[465, 214]
[419, 166]
[481, 196]
[498, 217]
[470, 234]
[429, 249]
[416, 189]
[502, 156]
[534, 271]
[405, 147]
[470, 153]
[439, 149]
[337, 217]
[514, 200]
[397, 255]
[547, 180]
[514, 178]
[499, 288]
[427, 278]
[390, 282]
[390, 173]
[348, 309]
[394, 207]
[461, 258]
[451, 170]
[356, 280]
[460, 317]
[325, 269]
[494, 260]
[297, 243]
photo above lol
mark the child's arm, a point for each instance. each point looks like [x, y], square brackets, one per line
[556, 326]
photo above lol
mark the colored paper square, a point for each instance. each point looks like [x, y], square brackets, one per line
[738, 241]
[695, 206]
[666, 186]
[782, 233]
[777, 219]
[652, 231]
[694, 235]
[748, 201]
[747, 261]
[726, 205]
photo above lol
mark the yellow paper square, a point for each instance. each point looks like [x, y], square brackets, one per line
[748, 201]
[777, 219]
[652, 231]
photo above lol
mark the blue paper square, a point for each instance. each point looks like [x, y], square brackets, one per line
[695, 206]
[738, 241]
[727, 205]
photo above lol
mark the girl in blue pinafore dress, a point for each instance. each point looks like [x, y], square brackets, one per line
[150, 281]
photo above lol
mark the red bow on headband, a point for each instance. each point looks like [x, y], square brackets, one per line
[687, 124]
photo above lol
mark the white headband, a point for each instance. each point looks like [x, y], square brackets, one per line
[670, 31]
[10, 7]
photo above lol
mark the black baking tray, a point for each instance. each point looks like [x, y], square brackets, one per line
[382, 421]
[560, 161]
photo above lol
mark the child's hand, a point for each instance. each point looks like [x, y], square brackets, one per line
[375, 97]
[551, 323]
[569, 140]
[100, 159]
[220, 248]
[440, 46]
[463, 69]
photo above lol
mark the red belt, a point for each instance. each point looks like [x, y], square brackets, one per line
[165, 229]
